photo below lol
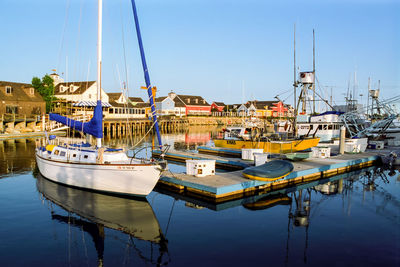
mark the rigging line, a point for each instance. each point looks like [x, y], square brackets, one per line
[78, 41]
[126, 70]
[63, 34]
[151, 128]
[170, 215]
[123, 46]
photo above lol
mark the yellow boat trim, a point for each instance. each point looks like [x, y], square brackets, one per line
[269, 202]
[263, 178]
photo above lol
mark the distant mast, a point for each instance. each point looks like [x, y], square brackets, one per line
[99, 40]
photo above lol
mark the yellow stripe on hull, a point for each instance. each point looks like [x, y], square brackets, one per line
[270, 146]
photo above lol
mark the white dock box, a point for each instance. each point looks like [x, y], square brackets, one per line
[321, 152]
[376, 144]
[357, 145]
[200, 168]
[392, 142]
[248, 153]
[260, 158]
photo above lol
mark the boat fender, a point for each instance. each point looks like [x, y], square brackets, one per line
[50, 148]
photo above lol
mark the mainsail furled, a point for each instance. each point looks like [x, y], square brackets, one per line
[93, 127]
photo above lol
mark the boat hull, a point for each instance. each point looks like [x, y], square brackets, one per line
[124, 179]
[270, 146]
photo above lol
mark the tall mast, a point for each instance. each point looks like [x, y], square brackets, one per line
[313, 71]
[99, 39]
[146, 74]
[294, 68]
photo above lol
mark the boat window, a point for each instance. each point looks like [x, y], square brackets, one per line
[74, 155]
[56, 152]
[325, 127]
[330, 127]
[319, 127]
[62, 154]
[85, 156]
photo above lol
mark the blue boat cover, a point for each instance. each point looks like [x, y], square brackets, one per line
[330, 112]
[269, 171]
[93, 127]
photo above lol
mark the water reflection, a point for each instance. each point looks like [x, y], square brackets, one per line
[92, 212]
[16, 156]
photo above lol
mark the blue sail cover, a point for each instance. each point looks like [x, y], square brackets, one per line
[93, 127]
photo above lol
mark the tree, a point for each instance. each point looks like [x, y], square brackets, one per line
[45, 87]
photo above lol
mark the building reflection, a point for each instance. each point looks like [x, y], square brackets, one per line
[92, 212]
[16, 156]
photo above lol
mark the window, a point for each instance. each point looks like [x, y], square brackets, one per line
[111, 111]
[197, 101]
[86, 156]
[32, 91]
[62, 154]
[330, 127]
[12, 109]
[8, 90]
[90, 96]
[56, 152]
[74, 155]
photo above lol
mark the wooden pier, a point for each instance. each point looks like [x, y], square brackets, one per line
[121, 127]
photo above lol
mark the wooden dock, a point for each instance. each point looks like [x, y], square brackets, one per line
[232, 185]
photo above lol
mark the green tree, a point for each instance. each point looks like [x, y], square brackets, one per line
[45, 87]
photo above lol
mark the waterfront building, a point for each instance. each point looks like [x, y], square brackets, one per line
[122, 108]
[20, 99]
[217, 106]
[77, 98]
[165, 105]
[190, 104]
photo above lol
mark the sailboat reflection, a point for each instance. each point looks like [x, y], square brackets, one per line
[96, 211]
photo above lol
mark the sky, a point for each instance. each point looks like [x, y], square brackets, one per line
[226, 51]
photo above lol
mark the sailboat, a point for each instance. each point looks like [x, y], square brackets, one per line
[96, 167]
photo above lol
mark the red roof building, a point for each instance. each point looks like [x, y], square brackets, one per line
[217, 106]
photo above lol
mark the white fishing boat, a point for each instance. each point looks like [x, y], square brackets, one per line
[96, 167]
[326, 125]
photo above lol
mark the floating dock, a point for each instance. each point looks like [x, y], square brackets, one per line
[222, 163]
[232, 185]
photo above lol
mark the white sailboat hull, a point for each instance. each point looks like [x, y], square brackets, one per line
[126, 179]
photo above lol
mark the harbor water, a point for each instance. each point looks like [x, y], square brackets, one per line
[349, 220]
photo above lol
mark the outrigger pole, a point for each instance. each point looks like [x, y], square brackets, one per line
[146, 74]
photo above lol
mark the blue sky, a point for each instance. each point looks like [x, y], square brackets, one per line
[223, 50]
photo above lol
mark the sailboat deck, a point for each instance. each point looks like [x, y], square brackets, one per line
[232, 185]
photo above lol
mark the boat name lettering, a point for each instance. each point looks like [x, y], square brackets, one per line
[231, 142]
[125, 168]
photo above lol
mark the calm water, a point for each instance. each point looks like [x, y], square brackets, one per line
[351, 220]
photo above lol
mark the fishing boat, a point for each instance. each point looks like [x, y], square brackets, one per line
[95, 167]
[268, 144]
[326, 125]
